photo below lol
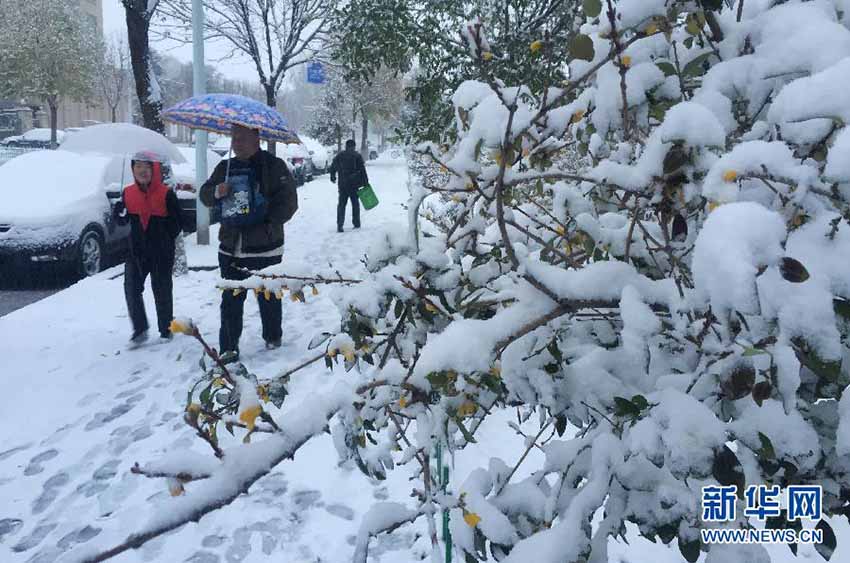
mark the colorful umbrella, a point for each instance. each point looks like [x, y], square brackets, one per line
[217, 112]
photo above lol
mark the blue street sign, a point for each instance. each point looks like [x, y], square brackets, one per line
[315, 73]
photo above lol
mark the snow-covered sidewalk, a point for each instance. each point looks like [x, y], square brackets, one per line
[79, 410]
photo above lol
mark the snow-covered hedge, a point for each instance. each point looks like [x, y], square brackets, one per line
[673, 303]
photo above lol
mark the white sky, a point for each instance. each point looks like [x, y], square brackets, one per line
[238, 68]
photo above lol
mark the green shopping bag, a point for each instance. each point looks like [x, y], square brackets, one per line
[367, 197]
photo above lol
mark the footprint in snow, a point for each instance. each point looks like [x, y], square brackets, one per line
[270, 532]
[103, 418]
[51, 489]
[88, 399]
[10, 527]
[203, 557]
[306, 498]
[13, 451]
[35, 465]
[62, 432]
[34, 538]
[340, 510]
[213, 541]
[81, 535]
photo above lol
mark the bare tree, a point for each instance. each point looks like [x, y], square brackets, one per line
[277, 35]
[114, 74]
[139, 14]
[380, 97]
[331, 117]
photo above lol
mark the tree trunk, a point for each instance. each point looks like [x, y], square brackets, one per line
[114, 114]
[364, 137]
[137, 37]
[271, 101]
[54, 112]
[338, 138]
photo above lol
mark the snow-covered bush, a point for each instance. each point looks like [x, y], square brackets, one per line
[673, 303]
[651, 257]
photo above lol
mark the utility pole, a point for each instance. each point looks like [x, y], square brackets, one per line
[199, 88]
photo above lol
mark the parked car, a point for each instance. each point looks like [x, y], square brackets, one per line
[298, 158]
[318, 155]
[57, 208]
[182, 180]
[34, 139]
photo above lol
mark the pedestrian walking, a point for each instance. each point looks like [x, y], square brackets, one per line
[348, 165]
[256, 194]
[153, 212]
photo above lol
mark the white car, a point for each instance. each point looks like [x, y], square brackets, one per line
[35, 138]
[318, 154]
[57, 208]
[298, 157]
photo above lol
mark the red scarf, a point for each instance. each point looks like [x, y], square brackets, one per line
[147, 203]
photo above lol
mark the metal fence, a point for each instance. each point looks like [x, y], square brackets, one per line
[8, 153]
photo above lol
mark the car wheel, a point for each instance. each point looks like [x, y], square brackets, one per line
[90, 255]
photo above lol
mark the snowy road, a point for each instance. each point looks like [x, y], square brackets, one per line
[14, 299]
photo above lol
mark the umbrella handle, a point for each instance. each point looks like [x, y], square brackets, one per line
[229, 156]
[227, 172]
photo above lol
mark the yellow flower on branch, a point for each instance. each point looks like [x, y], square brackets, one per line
[263, 392]
[730, 176]
[467, 409]
[402, 402]
[175, 487]
[536, 46]
[627, 61]
[487, 56]
[471, 519]
[577, 116]
[315, 290]
[248, 417]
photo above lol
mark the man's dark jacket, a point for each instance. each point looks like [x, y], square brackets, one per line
[349, 166]
[277, 186]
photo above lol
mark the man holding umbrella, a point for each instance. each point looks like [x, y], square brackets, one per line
[253, 240]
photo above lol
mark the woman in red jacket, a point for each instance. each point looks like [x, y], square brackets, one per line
[153, 212]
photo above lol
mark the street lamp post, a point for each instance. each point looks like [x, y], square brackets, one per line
[199, 87]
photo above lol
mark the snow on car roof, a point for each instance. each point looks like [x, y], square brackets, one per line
[41, 183]
[42, 134]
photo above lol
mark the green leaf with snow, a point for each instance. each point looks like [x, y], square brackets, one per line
[592, 8]
[581, 47]
[793, 271]
[827, 547]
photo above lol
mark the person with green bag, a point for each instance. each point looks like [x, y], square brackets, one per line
[348, 165]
